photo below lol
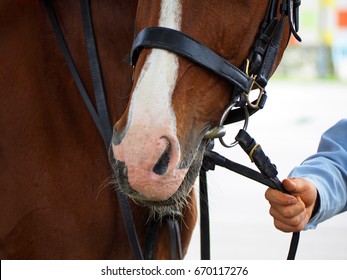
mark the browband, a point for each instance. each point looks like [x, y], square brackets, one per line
[183, 45]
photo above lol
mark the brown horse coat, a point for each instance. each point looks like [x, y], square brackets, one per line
[56, 201]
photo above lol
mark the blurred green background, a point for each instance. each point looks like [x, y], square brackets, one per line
[323, 51]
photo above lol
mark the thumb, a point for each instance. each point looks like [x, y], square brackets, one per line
[292, 185]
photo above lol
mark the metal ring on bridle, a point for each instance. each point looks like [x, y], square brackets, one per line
[225, 115]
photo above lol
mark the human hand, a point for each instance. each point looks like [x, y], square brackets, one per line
[292, 212]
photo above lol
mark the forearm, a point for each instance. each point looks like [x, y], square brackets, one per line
[327, 170]
[331, 187]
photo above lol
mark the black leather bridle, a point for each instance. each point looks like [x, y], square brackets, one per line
[256, 69]
[254, 73]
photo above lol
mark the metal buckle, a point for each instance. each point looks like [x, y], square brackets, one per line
[260, 95]
[254, 83]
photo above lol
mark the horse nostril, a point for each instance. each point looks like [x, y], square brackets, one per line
[162, 164]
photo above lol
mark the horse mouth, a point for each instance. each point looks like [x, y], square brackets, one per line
[173, 204]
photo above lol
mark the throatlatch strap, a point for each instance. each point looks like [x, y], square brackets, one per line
[65, 50]
[101, 118]
[101, 104]
[95, 71]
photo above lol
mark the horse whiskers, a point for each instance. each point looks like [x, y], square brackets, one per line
[107, 183]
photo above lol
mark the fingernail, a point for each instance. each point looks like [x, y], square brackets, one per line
[292, 201]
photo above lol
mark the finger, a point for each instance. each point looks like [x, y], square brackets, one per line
[277, 197]
[289, 228]
[292, 216]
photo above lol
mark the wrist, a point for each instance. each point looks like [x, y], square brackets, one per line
[316, 206]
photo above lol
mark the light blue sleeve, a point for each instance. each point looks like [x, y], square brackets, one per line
[327, 169]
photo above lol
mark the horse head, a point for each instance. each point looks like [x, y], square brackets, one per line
[158, 143]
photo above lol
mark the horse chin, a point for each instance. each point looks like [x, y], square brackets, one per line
[170, 206]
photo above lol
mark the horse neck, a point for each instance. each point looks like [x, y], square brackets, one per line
[28, 41]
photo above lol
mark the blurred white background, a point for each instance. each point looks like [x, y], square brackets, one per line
[289, 130]
[307, 95]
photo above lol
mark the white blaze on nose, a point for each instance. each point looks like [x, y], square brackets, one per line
[151, 99]
[151, 120]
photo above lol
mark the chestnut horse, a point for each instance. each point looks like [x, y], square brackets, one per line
[58, 197]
